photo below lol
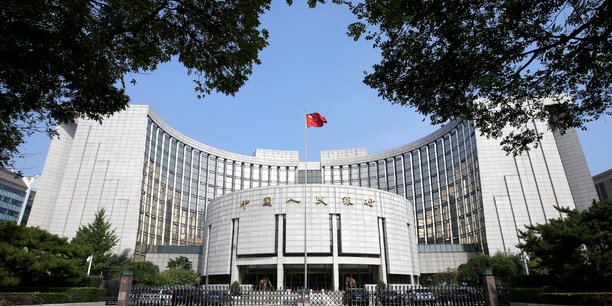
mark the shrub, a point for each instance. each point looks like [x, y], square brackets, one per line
[61, 296]
[543, 296]
[527, 295]
[235, 288]
[85, 294]
[91, 281]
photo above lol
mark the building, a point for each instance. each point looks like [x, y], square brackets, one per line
[16, 196]
[413, 210]
[603, 184]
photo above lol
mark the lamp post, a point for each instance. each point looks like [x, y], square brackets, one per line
[524, 259]
[89, 260]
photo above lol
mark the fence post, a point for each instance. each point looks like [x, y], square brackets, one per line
[124, 289]
[488, 281]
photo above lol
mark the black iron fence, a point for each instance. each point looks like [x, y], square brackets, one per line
[392, 296]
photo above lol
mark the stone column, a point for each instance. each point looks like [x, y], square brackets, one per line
[382, 272]
[234, 273]
[335, 267]
[125, 287]
[280, 259]
[488, 281]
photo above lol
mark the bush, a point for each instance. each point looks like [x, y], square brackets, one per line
[179, 276]
[85, 294]
[544, 296]
[63, 295]
[581, 298]
[50, 297]
[527, 295]
[562, 298]
[25, 298]
[91, 281]
[235, 288]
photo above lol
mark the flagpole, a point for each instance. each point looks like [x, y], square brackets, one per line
[305, 202]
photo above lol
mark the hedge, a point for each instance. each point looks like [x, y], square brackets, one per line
[65, 295]
[545, 296]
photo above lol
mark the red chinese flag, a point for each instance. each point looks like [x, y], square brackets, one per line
[315, 120]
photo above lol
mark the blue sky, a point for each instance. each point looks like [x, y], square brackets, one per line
[310, 65]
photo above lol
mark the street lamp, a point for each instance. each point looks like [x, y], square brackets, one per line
[89, 260]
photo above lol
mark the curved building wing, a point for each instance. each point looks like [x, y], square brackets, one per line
[464, 195]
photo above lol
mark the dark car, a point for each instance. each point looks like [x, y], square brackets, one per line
[390, 297]
[217, 298]
[355, 297]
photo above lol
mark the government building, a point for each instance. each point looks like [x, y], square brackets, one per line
[394, 216]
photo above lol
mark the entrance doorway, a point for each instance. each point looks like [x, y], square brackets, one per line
[363, 274]
[253, 274]
[319, 276]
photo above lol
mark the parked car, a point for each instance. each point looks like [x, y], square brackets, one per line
[355, 297]
[421, 296]
[217, 298]
[390, 297]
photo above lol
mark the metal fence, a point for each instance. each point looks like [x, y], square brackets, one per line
[393, 295]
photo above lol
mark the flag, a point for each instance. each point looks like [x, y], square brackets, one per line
[315, 119]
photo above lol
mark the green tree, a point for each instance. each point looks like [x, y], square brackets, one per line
[144, 272]
[180, 262]
[117, 264]
[471, 272]
[235, 288]
[33, 257]
[575, 250]
[179, 276]
[448, 277]
[63, 59]
[97, 239]
[483, 60]
[504, 267]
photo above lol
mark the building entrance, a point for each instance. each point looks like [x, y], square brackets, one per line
[253, 274]
[363, 274]
[319, 276]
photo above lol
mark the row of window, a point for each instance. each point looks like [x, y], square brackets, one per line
[440, 179]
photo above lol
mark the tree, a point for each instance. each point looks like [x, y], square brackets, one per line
[499, 63]
[33, 257]
[144, 272]
[180, 262]
[97, 239]
[179, 276]
[444, 278]
[64, 59]
[575, 250]
[117, 264]
[504, 267]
